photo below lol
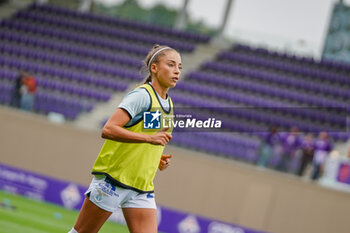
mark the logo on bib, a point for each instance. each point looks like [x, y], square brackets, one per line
[151, 120]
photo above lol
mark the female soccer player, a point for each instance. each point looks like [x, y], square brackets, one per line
[132, 153]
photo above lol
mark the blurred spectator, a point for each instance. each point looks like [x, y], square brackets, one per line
[269, 146]
[308, 148]
[28, 89]
[323, 146]
[331, 167]
[16, 94]
[290, 144]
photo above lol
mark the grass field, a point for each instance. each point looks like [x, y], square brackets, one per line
[20, 214]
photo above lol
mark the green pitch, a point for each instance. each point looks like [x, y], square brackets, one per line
[19, 214]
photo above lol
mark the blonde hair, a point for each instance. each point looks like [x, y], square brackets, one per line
[153, 57]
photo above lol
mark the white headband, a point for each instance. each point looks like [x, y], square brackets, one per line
[151, 59]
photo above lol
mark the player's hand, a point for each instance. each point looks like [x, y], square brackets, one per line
[160, 138]
[164, 162]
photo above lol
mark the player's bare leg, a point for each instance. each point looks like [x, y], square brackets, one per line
[91, 218]
[141, 220]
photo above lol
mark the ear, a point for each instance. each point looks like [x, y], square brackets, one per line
[154, 68]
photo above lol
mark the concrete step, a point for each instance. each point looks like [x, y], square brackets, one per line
[202, 53]
[94, 119]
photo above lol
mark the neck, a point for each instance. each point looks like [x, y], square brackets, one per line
[161, 90]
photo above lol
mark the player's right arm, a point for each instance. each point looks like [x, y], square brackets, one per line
[114, 130]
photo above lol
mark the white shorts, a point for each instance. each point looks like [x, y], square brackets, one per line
[109, 197]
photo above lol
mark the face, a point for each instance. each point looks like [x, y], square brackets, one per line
[323, 135]
[309, 136]
[168, 69]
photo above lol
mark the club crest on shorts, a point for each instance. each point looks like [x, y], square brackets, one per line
[98, 197]
[152, 120]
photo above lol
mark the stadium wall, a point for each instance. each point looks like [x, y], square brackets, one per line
[197, 183]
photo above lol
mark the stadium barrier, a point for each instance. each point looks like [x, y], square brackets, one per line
[71, 195]
[205, 185]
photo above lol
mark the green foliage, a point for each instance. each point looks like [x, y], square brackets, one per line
[157, 15]
[131, 10]
[161, 15]
[201, 28]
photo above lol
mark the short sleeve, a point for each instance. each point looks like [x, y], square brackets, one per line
[135, 102]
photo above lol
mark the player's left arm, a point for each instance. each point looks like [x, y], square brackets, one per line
[164, 162]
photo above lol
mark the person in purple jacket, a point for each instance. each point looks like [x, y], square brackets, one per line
[268, 146]
[308, 148]
[323, 146]
[291, 143]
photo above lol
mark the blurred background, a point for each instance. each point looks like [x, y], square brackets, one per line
[276, 72]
